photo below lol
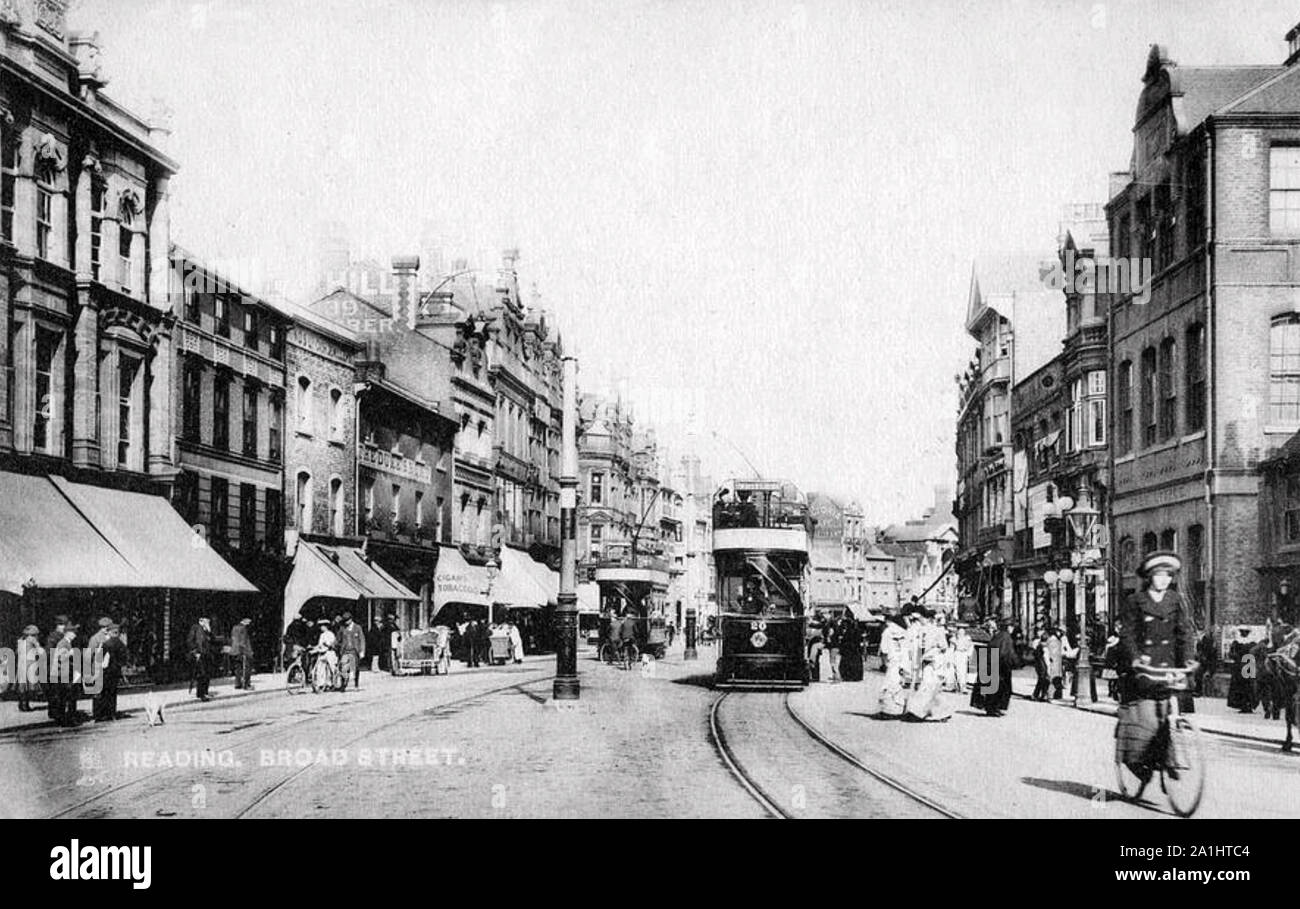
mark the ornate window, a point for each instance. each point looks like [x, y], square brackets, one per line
[250, 420]
[302, 502]
[221, 412]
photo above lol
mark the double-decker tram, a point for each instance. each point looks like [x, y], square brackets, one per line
[761, 539]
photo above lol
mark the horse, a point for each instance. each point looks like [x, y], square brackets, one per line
[1278, 678]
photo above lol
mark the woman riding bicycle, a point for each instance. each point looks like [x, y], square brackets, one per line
[1156, 633]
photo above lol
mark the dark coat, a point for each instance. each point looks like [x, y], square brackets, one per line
[116, 654]
[352, 640]
[1162, 631]
[199, 642]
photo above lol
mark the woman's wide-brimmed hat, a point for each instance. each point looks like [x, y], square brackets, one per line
[1162, 560]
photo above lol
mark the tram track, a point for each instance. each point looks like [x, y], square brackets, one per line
[148, 784]
[766, 753]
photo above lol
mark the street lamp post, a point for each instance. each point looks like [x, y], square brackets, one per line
[1080, 519]
[566, 686]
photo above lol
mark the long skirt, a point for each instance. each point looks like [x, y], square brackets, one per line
[1241, 694]
[893, 696]
[924, 701]
[851, 665]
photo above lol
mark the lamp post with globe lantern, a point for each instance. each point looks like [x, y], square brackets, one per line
[1080, 518]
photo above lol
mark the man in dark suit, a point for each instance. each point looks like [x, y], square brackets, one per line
[199, 646]
[114, 657]
[54, 694]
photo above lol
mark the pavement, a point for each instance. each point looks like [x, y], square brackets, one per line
[179, 696]
[1043, 759]
[1212, 714]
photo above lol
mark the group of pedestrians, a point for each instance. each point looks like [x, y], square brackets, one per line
[68, 667]
[340, 641]
[472, 639]
[835, 648]
[922, 658]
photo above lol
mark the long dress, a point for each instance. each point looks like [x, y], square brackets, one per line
[893, 697]
[924, 703]
[851, 652]
[1241, 692]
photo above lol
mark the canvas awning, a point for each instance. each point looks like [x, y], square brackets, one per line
[863, 613]
[516, 587]
[457, 581]
[338, 573]
[589, 598]
[59, 534]
[546, 579]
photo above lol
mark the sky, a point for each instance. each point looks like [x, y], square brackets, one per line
[755, 219]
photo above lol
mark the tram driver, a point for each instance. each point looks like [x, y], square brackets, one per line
[754, 600]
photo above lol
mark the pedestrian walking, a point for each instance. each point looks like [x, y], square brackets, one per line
[198, 644]
[375, 645]
[31, 657]
[69, 675]
[114, 657]
[833, 647]
[241, 651]
[893, 651]
[1070, 660]
[101, 634]
[850, 638]
[1043, 685]
[997, 693]
[1055, 662]
[54, 690]
[924, 703]
[352, 643]
[471, 644]
[1241, 690]
[516, 642]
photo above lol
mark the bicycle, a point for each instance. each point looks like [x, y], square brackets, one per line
[295, 679]
[624, 655]
[1177, 744]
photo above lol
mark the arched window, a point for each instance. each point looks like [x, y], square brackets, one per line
[1149, 544]
[304, 404]
[336, 414]
[336, 507]
[1284, 371]
[1169, 539]
[302, 505]
[1127, 556]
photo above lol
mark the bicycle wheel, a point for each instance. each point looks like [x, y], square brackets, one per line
[1185, 767]
[1130, 784]
[608, 654]
[296, 680]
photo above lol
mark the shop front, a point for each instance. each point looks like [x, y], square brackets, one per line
[89, 552]
[329, 580]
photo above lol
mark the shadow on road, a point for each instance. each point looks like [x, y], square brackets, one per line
[1093, 793]
[699, 681]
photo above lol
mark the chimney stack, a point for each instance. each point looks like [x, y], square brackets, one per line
[405, 269]
[1292, 45]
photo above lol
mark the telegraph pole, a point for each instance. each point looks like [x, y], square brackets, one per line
[566, 686]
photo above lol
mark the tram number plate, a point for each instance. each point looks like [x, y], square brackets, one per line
[758, 626]
[758, 639]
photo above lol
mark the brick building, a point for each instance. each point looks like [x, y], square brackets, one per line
[1206, 360]
[228, 423]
